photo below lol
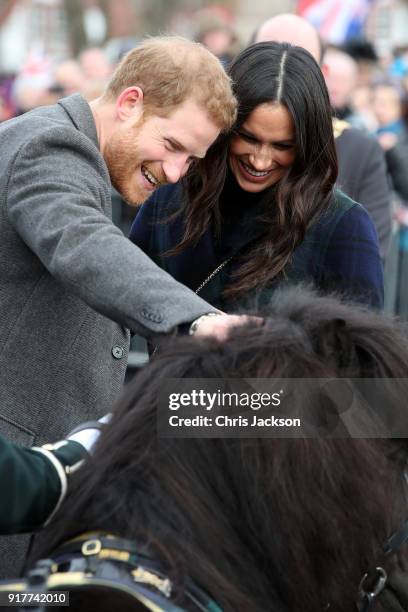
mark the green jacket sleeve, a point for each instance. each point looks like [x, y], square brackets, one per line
[34, 482]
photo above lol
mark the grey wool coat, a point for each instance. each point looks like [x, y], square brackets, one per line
[71, 284]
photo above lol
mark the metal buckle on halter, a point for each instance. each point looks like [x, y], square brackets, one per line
[144, 576]
[91, 547]
[366, 596]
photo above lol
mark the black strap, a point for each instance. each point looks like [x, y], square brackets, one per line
[397, 539]
[88, 546]
[375, 580]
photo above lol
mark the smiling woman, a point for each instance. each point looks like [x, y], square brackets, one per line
[263, 148]
[261, 209]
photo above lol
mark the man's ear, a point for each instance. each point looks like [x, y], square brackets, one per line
[129, 103]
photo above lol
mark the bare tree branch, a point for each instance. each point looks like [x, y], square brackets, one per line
[74, 10]
[104, 6]
[6, 6]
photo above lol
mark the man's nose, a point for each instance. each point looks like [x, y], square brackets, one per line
[261, 159]
[175, 168]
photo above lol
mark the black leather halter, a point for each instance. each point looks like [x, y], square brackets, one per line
[375, 580]
[102, 560]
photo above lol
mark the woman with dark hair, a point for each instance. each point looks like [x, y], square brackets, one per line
[261, 208]
[252, 524]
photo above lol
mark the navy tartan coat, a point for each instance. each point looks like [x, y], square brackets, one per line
[339, 253]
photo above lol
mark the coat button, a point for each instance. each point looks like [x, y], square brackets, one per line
[117, 352]
[151, 316]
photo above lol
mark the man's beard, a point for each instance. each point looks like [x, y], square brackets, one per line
[123, 163]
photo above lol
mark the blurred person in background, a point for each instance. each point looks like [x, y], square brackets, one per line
[6, 87]
[4, 109]
[341, 80]
[389, 104]
[69, 76]
[96, 69]
[398, 68]
[364, 54]
[40, 83]
[392, 133]
[7, 110]
[95, 64]
[217, 35]
[31, 86]
[362, 169]
[361, 102]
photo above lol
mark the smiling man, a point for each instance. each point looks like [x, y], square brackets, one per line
[154, 150]
[71, 285]
[151, 128]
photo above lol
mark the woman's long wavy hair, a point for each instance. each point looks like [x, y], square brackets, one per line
[260, 524]
[270, 72]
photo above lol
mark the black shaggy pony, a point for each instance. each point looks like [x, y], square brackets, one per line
[259, 524]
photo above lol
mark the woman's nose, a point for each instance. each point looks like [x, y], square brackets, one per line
[261, 159]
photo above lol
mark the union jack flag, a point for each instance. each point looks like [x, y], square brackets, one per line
[336, 20]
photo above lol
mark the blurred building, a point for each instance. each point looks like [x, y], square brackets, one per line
[250, 14]
[52, 27]
[32, 25]
[387, 25]
[48, 27]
